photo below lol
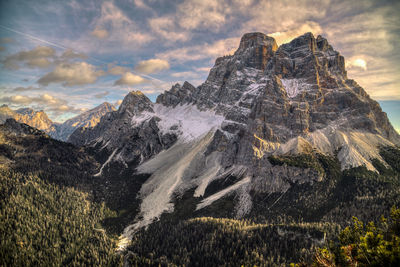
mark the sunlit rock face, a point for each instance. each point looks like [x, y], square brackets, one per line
[36, 119]
[263, 100]
[87, 119]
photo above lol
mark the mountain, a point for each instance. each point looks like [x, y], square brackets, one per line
[87, 119]
[37, 119]
[60, 131]
[269, 125]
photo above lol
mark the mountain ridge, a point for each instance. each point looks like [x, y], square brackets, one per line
[262, 101]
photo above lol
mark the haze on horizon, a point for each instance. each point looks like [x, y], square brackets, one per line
[68, 56]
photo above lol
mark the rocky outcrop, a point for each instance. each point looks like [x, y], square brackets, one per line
[177, 95]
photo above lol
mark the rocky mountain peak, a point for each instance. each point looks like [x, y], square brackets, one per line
[256, 49]
[87, 119]
[255, 40]
[105, 105]
[134, 103]
[177, 95]
[25, 111]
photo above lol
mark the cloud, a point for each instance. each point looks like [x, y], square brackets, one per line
[6, 40]
[207, 14]
[186, 74]
[284, 15]
[356, 63]
[166, 28]
[203, 69]
[140, 4]
[100, 33]
[37, 57]
[101, 95]
[152, 66]
[45, 101]
[120, 28]
[71, 54]
[283, 37]
[130, 79]
[197, 52]
[16, 99]
[24, 89]
[116, 70]
[71, 74]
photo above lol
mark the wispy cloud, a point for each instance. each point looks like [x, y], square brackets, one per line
[70, 74]
[41, 57]
[130, 79]
[100, 33]
[152, 66]
[102, 95]
[204, 51]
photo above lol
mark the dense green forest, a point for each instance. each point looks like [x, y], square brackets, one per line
[207, 241]
[42, 224]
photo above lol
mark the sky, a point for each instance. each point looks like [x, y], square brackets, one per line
[69, 56]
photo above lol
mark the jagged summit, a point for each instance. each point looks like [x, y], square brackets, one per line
[177, 95]
[134, 103]
[256, 49]
[87, 119]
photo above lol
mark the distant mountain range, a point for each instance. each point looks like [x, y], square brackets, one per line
[60, 131]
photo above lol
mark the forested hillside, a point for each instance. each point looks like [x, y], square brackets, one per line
[48, 214]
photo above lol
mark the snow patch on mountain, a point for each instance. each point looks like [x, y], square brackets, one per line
[191, 122]
[186, 120]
